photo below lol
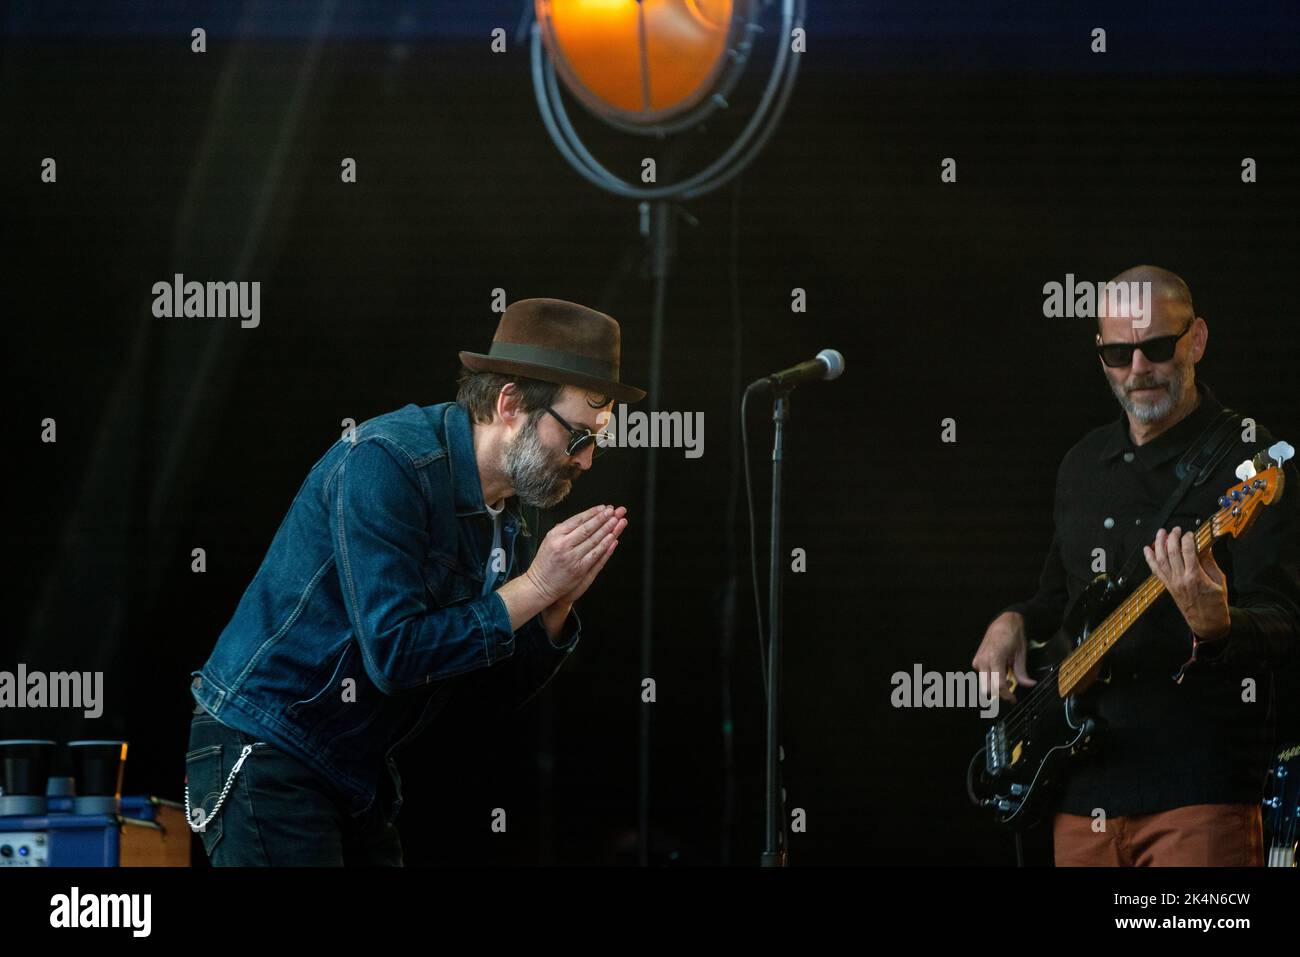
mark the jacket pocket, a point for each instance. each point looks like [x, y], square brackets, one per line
[342, 669]
[204, 775]
[335, 727]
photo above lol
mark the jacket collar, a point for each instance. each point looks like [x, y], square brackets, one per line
[1168, 444]
[467, 488]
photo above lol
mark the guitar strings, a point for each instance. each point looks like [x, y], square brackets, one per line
[1097, 644]
[1035, 703]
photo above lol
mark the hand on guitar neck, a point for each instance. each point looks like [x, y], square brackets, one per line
[1195, 582]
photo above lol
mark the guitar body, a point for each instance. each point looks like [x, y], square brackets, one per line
[1026, 751]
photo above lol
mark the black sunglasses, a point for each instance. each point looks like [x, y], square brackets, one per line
[579, 439]
[1160, 349]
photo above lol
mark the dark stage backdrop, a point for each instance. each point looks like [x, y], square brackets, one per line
[183, 434]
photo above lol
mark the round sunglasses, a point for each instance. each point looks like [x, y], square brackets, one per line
[579, 439]
[1160, 349]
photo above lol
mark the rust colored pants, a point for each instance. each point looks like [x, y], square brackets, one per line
[1199, 835]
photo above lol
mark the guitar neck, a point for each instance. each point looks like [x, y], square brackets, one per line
[1076, 668]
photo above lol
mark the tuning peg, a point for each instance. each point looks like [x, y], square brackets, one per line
[1280, 452]
[1246, 470]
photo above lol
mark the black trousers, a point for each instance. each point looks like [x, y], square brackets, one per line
[277, 811]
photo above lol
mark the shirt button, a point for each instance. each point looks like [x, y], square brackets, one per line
[1128, 456]
[1109, 523]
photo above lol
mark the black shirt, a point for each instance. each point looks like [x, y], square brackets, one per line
[1168, 744]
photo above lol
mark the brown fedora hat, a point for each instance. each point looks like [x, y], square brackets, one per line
[556, 341]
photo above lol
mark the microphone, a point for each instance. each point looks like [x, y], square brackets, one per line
[828, 364]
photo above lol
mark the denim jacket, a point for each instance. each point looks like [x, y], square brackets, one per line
[368, 611]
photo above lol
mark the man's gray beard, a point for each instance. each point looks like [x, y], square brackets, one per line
[1149, 412]
[538, 478]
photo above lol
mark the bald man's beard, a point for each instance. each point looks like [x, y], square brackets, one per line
[1148, 409]
[540, 477]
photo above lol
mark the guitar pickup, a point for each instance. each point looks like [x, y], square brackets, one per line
[995, 756]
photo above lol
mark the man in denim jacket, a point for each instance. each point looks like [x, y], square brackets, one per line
[396, 578]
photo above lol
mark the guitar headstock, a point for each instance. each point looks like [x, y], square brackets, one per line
[1261, 484]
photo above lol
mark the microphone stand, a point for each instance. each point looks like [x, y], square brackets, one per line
[774, 851]
[829, 364]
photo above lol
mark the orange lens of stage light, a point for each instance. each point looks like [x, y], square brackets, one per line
[644, 61]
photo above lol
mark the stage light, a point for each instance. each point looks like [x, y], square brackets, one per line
[642, 64]
[659, 68]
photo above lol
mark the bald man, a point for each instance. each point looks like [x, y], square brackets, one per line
[1178, 777]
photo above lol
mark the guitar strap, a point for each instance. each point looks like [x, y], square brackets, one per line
[1197, 464]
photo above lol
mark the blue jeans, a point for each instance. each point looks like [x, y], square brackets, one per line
[278, 812]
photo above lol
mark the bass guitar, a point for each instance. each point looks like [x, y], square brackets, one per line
[1025, 752]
